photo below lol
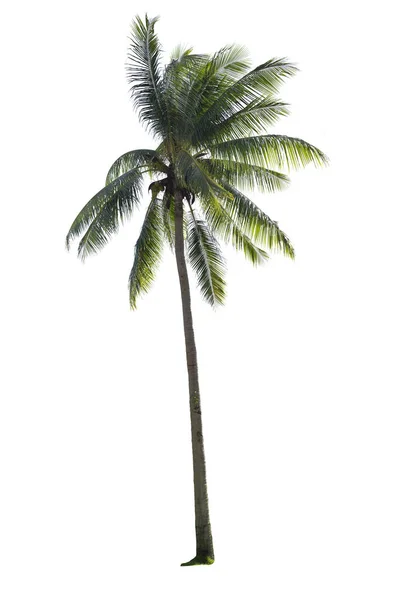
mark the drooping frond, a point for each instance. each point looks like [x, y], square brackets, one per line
[148, 252]
[223, 226]
[199, 180]
[246, 176]
[113, 214]
[255, 223]
[133, 159]
[145, 75]
[280, 151]
[124, 192]
[206, 260]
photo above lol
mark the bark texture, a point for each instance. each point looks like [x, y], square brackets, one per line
[204, 543]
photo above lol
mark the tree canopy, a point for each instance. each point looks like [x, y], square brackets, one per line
[209, 115]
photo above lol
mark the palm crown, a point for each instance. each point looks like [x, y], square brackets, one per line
[209, 115]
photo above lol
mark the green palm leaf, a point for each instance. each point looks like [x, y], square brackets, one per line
[280, 151]
[217, 73]
[204, 80]
[206, 260]
[148, 252]
[113, 214]
[180, 51]
[224, 226]
[123, 193]
[145, 75]
[256, 85]
[254, 118]
[134, 159]
[255, 223]
[245, 175]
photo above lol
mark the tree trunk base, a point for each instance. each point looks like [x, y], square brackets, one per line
[198, 560]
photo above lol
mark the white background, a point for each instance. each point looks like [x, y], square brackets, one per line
[299, 371]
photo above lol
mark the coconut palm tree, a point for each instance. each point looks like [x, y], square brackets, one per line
[209, 116]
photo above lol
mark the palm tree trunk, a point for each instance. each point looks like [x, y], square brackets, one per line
[204, 543]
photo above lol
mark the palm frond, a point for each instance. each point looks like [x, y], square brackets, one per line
[231, 60]
[133, 159]
[124, 192]
[145, 74]
[256, 85]
[255, 223]
[254, 118]
[148, 252]
[245, 176]
[223, 226]
[113, 214]
[215, 74]
[206, 260]
[180, 51]
[267, 78]
[205, 79]
[280, 151]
